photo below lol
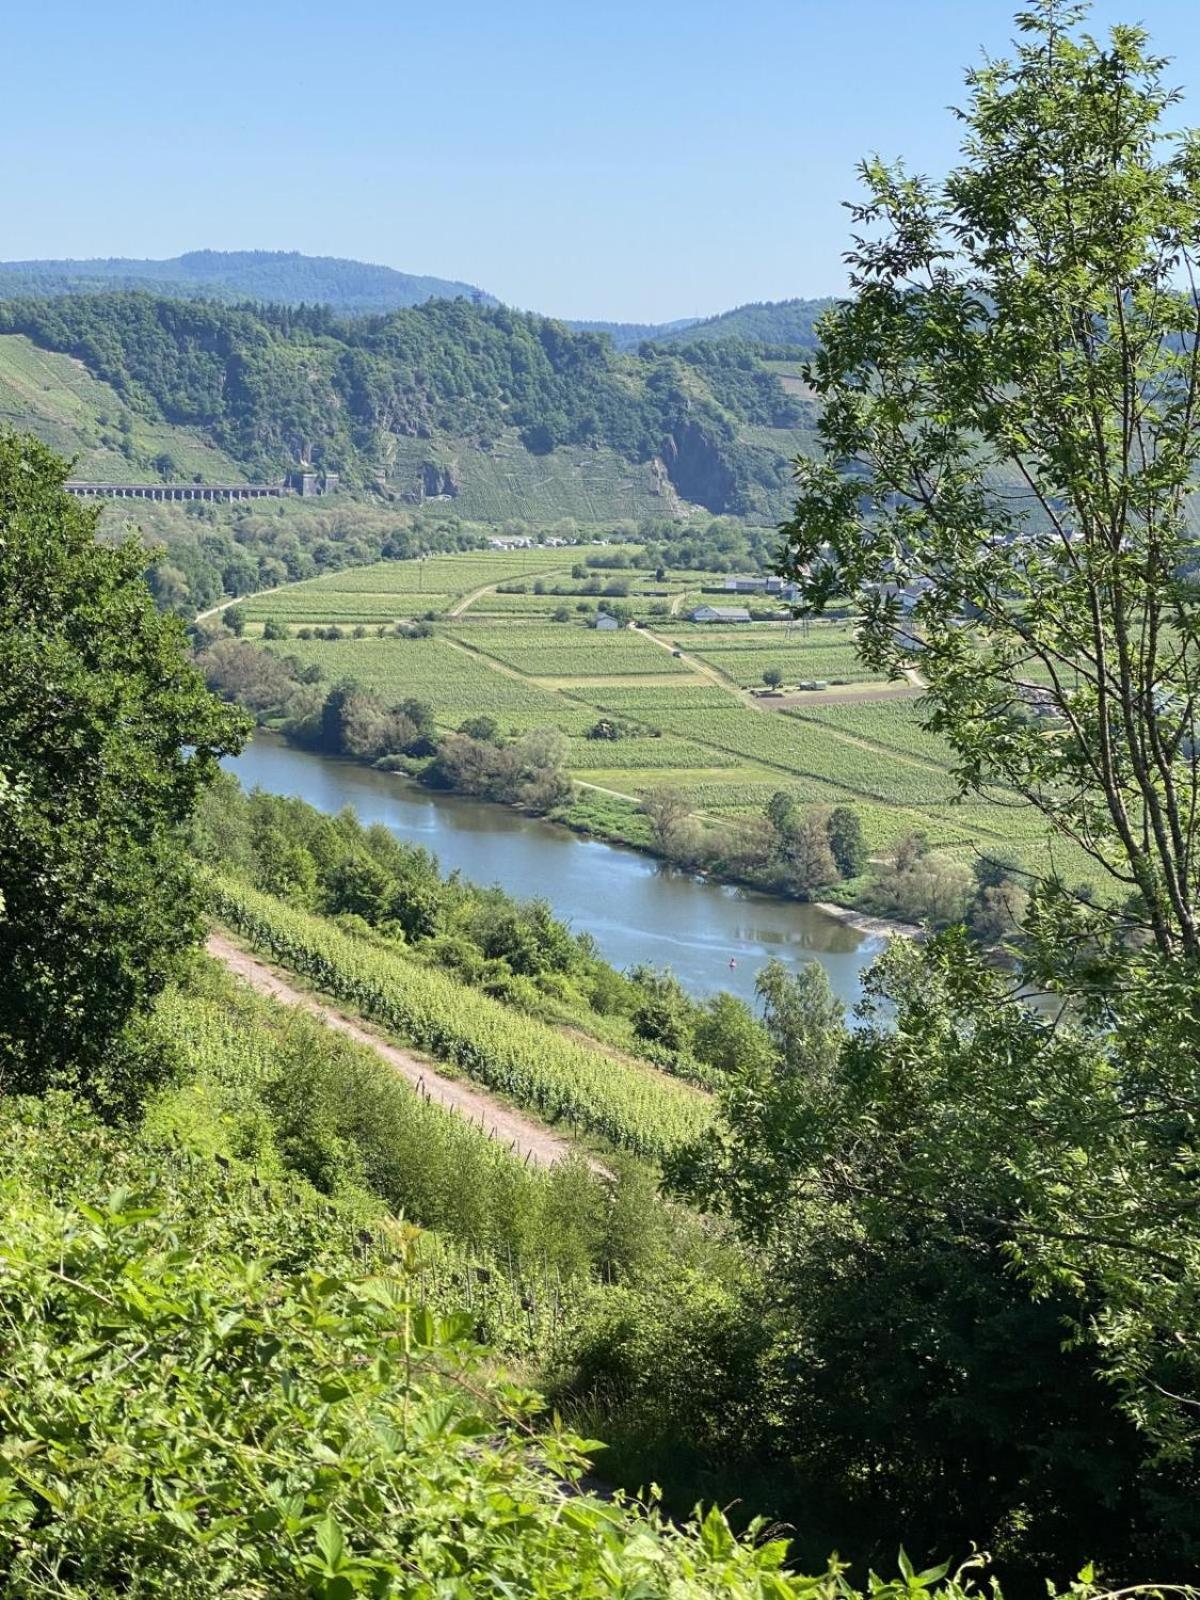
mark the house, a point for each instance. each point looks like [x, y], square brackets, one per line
[605, 623]
[906, 595]
[785, 588]
[720, 614]
[309, 484]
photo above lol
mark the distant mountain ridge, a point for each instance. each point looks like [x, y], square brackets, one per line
[359, 288]
[280, 277]
[628, 335]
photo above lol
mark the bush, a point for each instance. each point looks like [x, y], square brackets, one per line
[220, 1399]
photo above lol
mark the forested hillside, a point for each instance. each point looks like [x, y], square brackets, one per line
[412, 404]
[281, 277]
[784, 323]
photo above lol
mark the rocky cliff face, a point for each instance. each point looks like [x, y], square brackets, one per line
[438, 482]
[699, 471]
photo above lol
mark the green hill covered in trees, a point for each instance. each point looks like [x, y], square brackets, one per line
[419, 403]
[283, 277]
[790, 323]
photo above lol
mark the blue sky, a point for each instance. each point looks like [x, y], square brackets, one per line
[618, 160]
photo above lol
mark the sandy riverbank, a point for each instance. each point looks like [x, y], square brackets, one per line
[875, 927]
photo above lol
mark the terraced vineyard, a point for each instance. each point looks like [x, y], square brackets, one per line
[614, 1098]
[85, 419]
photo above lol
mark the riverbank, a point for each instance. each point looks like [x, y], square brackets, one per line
[713, 936]
[874, 927]
[605, 818]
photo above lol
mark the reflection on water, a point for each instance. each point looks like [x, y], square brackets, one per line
[712, 935]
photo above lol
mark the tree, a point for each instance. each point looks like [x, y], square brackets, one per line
[107, 739]
[670, 816]
[1034, 322]
[780, 810]
[773, 677]
[806, 853]
[234, 619]
[974, 1176]
[727, 1036]
[845, 833]
[662, 1014]
[274, 629]
[803, 1018]
[973, 1305]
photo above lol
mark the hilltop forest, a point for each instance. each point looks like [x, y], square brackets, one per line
[281, 277]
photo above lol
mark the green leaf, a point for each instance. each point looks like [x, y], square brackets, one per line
[424, 1329]
[330, 1542]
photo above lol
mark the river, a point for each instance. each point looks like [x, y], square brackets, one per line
[712, 935]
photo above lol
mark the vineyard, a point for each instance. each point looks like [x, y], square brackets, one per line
[484, 1208]
[648, 754]
[558, 651]
[890, 724]
[826, 652]
[529, 1062]
[391, 589]
[454, 681]
[688, 722]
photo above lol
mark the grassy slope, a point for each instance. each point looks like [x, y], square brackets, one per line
[56, 398]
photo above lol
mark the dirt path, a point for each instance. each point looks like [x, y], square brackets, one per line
[237, 600]
[839, 697]
[701, 668]
[457, 609]
[526, 1137]
[618, 794]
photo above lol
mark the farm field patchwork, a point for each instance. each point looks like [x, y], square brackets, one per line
[390, 589]
[322, 605]
[687, 730]
[644, 701]
[650, 754]
[891, 724]
[743, 653]
[454, 682]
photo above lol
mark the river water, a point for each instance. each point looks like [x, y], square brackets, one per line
[712, 936]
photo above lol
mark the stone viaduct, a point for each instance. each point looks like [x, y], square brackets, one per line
[179, 491]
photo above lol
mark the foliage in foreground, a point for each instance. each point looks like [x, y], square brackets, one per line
[1035, 317]
[204, 1393]
[107, 737]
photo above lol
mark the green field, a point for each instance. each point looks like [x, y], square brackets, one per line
[690, 721]
[388, 590]
[456, 683]
[556, 650]
[744, 652]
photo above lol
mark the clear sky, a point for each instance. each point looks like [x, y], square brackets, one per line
[616, 159]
